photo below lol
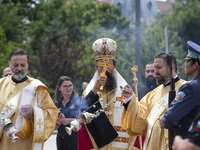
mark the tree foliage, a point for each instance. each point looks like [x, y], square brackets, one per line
[182, 23]
[80, 23]
[60, 34]
[12, 23]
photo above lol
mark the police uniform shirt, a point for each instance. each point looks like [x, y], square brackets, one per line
[194, 131]
[184, 107]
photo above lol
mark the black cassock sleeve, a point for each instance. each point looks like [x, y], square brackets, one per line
[100, 128]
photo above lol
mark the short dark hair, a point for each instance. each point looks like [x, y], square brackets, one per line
[17, 52]
[173, 59]
[151, 62]
[194, 60]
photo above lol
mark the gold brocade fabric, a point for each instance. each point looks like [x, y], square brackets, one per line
[135, 119]
[8, 89]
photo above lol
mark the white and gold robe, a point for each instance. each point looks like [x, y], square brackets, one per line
[122, 140]
[33, 132]
[141, 118]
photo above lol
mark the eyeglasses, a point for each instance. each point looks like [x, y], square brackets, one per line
[148, 71]
[68, 86]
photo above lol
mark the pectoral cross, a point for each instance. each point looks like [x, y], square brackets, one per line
[135, 80]
[104, 65]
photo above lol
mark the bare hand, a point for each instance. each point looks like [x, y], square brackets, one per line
[101, 80]
[26, 110]
[161, 122]
[179, 143]
[127, 91]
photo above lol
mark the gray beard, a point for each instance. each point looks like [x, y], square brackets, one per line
[18, 75]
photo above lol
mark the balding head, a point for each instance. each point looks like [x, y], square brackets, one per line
[6, 72]
[84, 85]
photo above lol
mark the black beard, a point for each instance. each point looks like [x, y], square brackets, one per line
[110, 81]
[150, 82]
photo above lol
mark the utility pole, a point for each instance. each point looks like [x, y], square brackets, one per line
[137, 39]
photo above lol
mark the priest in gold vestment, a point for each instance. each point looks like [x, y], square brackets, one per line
[27, 103]
[141, 118]
[103, 92]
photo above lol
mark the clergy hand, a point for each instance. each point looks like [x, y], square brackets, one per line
[127, 91]
[101, 80]
[26, 111]
[161, 122]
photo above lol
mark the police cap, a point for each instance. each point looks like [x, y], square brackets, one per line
[193, 51]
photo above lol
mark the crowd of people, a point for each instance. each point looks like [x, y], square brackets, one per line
[120, 116]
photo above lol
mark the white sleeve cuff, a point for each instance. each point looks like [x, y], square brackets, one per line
[128, 99]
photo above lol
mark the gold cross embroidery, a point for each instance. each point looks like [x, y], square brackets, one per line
[161, 104]
[40, 123]
[120, 99]
[100, 96]
[9, 107]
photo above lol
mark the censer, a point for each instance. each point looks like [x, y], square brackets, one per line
[9, 128]
[75, 125]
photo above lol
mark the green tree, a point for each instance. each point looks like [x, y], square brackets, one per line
[3, 52]
[12, 23]
[80, 23]
[182, 23]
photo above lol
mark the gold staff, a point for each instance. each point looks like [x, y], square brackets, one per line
[135, 82]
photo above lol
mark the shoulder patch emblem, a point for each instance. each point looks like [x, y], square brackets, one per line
[179, 95]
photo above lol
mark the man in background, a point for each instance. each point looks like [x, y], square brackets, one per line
[150, 76]
[6, 72]
[84, 85]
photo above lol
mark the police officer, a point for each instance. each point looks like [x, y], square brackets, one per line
[186, 104]
[192, 143]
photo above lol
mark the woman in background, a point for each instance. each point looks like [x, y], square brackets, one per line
[68, 103]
